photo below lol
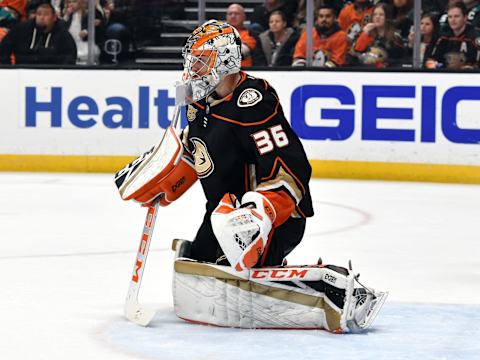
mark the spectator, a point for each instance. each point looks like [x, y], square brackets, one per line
[437, 7]
[456, 48]
[42, 40]
[353, 17]
[236, 17]
[330, 43]
[279, 41]
[443, 17]
[299, 20]
[473, 14]
[261, 14]
[403, 18]
[11, 13]
[428, 36]
[76, 16]
[379, 45]
[117, 32]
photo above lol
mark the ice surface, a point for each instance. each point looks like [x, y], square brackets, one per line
[67, 247]
[403, 331]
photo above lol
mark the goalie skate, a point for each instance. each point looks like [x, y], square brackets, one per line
[365, 306]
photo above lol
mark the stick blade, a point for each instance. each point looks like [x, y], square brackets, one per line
[139, 314]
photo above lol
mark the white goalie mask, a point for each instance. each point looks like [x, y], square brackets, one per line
[212, 52]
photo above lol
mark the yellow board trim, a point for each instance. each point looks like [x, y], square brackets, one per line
[369, 170]
[465, 174]
[64, 163]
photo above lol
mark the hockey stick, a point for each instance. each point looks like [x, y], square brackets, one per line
[133, 310]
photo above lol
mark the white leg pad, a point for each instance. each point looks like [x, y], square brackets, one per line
[217, 295]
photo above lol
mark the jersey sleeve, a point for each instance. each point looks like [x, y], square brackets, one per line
[344, 18]
[339, 48]
[439, 50]
[300, 51]
[279, 167]
[364, 40]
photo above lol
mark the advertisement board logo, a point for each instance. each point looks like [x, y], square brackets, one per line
[370, 113]
[112, 112]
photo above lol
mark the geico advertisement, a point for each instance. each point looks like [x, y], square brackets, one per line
[399, 117]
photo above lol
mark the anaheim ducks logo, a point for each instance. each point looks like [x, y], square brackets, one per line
[249, 97]
[203, 161]
[191, 113]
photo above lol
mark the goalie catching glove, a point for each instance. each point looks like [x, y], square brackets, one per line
[164, 173]
[242, 229]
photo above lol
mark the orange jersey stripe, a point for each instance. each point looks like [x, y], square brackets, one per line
[249, 124]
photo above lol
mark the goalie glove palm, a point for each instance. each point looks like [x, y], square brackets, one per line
[242, 230]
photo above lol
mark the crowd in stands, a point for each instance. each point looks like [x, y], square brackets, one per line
[365, 33]
[360, 33]
[56, 32]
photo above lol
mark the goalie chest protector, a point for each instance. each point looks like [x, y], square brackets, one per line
[244, 138]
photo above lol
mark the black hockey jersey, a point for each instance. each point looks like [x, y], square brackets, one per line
[464, 48]
[244, 143]
[473, 18]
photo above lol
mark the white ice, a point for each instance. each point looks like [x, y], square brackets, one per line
[68, 243]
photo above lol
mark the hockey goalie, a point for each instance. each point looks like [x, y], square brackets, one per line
[255, 175]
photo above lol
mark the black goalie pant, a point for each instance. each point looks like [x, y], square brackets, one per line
[285, 238]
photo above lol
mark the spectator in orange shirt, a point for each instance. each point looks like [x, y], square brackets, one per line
[236, 17]
[11, 13]
[353, 17]
[18, 6]
[330, 44]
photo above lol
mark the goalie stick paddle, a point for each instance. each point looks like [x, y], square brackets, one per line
[133, 310]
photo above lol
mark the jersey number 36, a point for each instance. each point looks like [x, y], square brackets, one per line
[266, 140]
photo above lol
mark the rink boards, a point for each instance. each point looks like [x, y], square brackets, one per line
[371, 125]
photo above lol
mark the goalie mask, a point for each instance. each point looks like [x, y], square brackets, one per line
[212, 52]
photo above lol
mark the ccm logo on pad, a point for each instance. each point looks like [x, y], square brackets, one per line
[279, 273]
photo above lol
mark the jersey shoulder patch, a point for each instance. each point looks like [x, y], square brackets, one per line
[249, 97]
[256, 102]
[253, 102]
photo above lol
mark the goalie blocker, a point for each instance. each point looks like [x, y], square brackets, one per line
[285, 297]
[165, 173]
